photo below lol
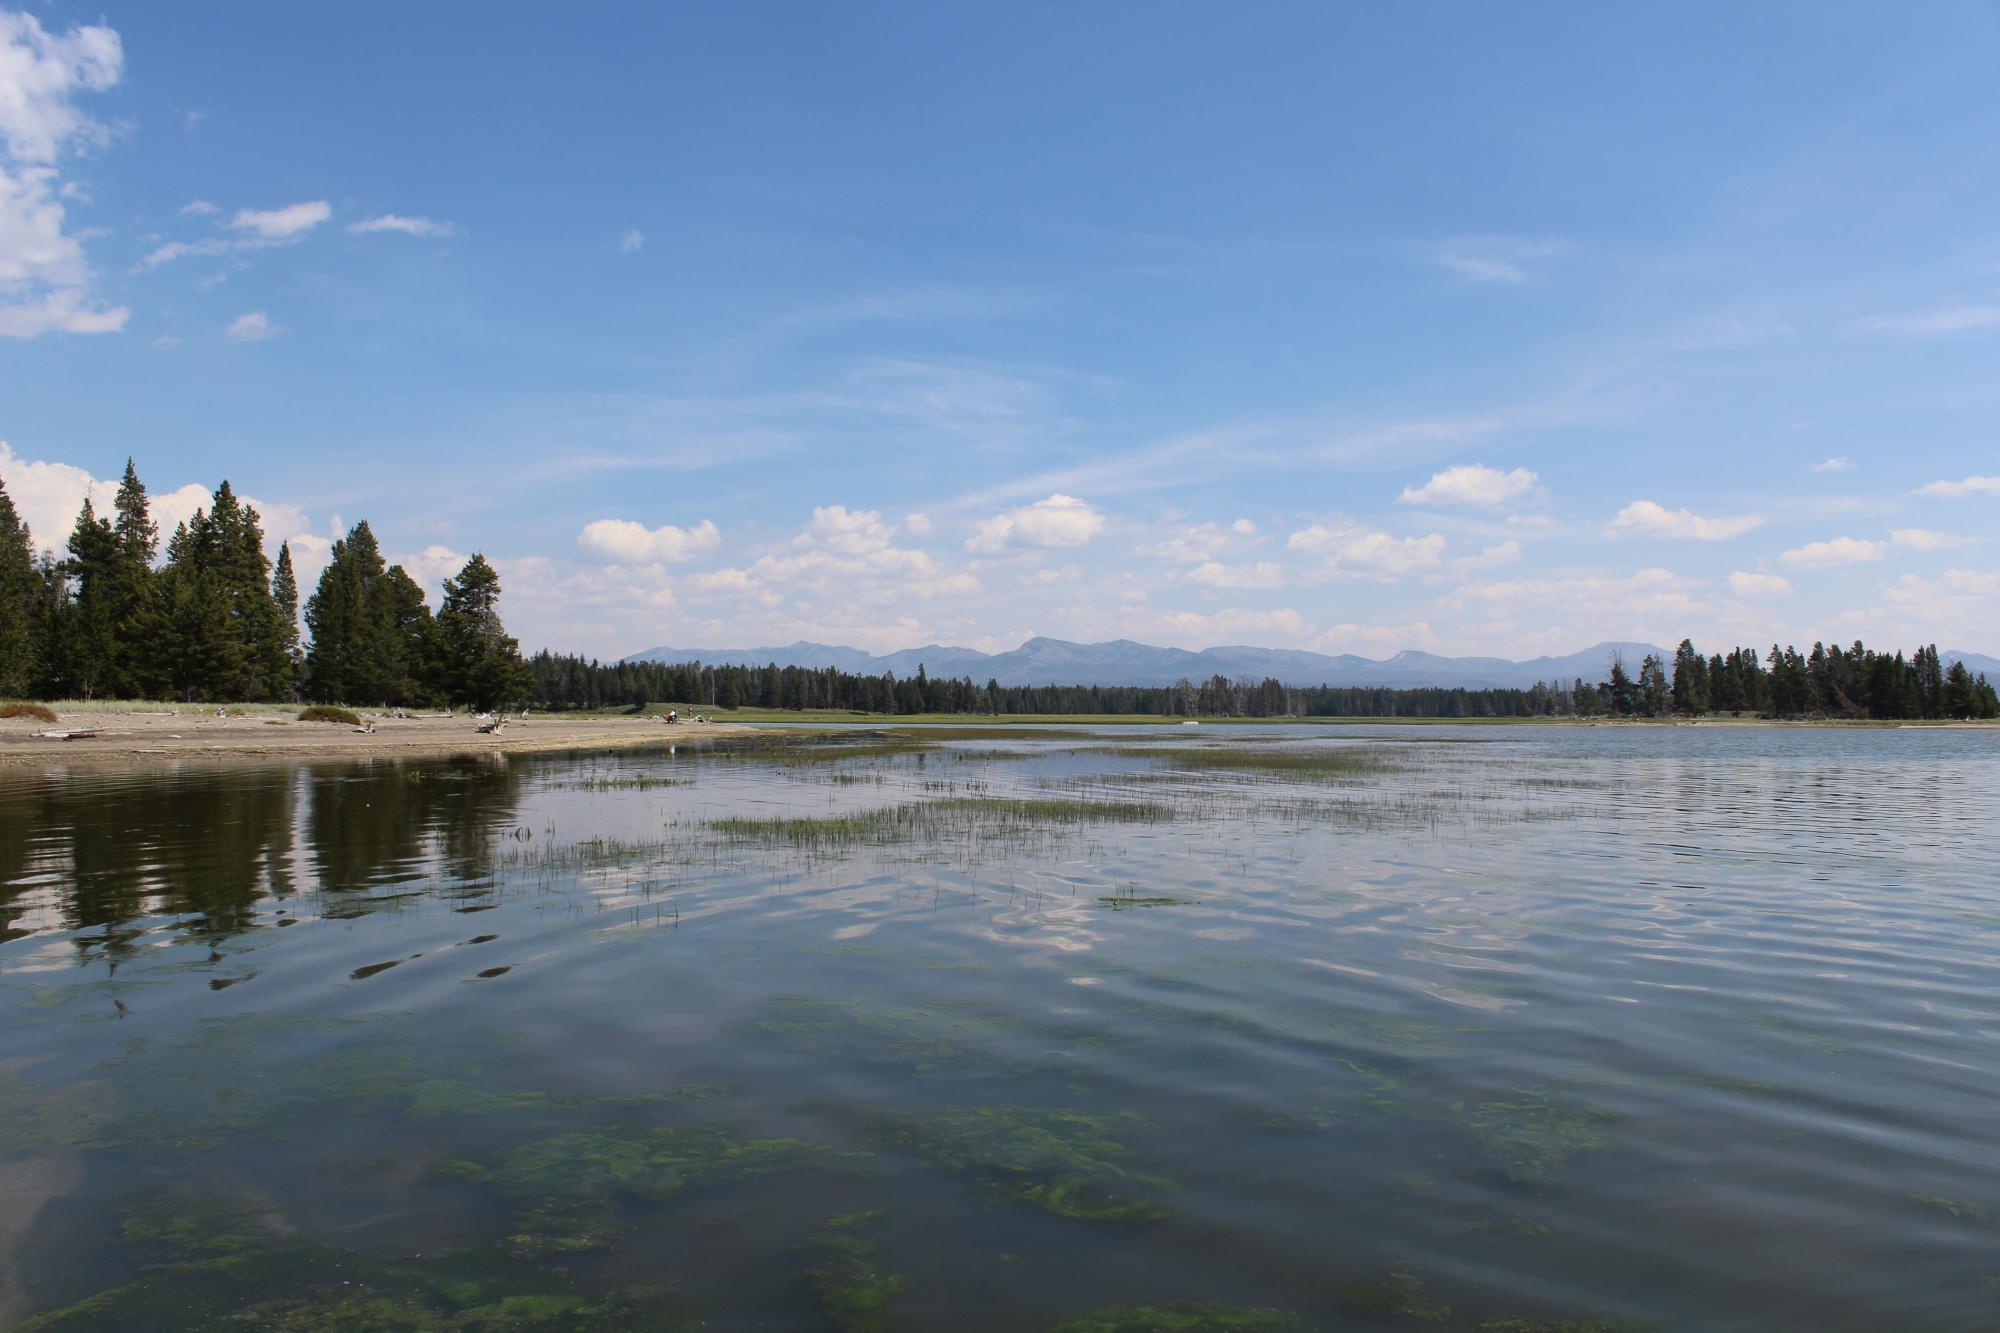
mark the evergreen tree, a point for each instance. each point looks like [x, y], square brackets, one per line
[287, 661]
[1690, 688]
[401, 614]
[133, 593]
[351, 657]
[1653, 686]
[91, 640]
[20, 590]
[476, 661]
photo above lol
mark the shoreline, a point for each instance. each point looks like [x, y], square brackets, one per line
[133, 737]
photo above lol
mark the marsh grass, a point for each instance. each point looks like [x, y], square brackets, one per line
[39, 712]
[1332, 763]
[987, 818]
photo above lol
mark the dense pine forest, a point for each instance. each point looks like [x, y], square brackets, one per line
[1850, 683]
[217, 621]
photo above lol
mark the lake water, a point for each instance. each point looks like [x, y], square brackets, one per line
[1130, 1028]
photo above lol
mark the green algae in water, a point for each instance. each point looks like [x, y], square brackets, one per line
[1399, 1291]
[297, 1287]
[847, 1280]
[938, 1038]
[655, 1163]
[186, 1228]
[1536, 1133]
[1182, 1317]
[1062, 1162]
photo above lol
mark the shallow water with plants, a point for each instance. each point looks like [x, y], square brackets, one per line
[1123, 1028]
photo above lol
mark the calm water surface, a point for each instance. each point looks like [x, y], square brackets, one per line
[1650, 1028]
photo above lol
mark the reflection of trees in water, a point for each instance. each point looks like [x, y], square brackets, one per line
[202, 844]
[393, 822]
[208, 845]
[20, 811]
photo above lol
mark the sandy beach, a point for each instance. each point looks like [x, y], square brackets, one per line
[138, 736]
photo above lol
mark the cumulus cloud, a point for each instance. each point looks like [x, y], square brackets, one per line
[919, 525]
[1215, 574]
[1833, 465]
[1837, 551]
[48, 495]
[1203, 542]
[1923, 539]
[1206, 629]
[1060, 520]
[1350, 550]
[1349, 637]
[623, 542]
[846, 531]
[252, 327]
[1644, 518]
[45, 282]
[1744, 583]
[1471, 485]
[198, 208]
[393, 222]
[1954, 490]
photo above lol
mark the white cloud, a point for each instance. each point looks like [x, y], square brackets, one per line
[394, 222]
[1924, 539]
[1349, 637]
[1833, 465]
[1203, 542]
[632, 242]
[1491, 259]
[1953, 490]
[198, 208]
[1837, 551]
[621, 541]
[1060, 520]
[1744, 583]
[1215, 574]
[48, 496]
[257, 230]
[1471, 484]
[44, 278]
[1205, 629]
[1350, 550]
[845, 531]
[253, 327]
[918, 525]
[1935, 323]
[1647, 519]
[277, 224]
[192, 118]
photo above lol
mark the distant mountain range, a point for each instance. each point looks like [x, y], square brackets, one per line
[1042, 661]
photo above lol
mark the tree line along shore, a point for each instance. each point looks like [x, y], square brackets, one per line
[1828, 683]
[217, 620]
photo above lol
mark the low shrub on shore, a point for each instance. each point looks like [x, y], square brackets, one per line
[324, 713]
[39, 712]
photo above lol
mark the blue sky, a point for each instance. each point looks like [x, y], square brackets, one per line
[1474, 328]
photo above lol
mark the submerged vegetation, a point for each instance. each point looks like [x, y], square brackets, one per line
[1062, 1162]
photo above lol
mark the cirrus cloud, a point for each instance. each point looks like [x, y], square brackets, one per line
[394, 222]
